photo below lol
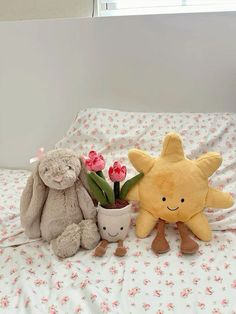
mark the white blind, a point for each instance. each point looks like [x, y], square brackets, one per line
[127, 7]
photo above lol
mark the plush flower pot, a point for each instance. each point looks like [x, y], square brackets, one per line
[114, 223]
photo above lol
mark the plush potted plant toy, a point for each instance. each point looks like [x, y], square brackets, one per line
[175, 189]
[114, 212]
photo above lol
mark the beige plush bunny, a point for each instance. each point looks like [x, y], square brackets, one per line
[55, 204]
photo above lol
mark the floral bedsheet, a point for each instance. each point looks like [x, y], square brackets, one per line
[33, 280]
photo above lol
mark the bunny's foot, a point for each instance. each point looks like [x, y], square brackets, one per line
[68, 243]
[89, 234]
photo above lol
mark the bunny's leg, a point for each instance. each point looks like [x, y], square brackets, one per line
[68, 243]
[120, 250]
[89, 234]
[101, 248]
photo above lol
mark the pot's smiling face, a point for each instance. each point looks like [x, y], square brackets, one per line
[113, 228]
[175, 193]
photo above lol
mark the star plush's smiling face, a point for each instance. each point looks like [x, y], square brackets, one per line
[174, 193]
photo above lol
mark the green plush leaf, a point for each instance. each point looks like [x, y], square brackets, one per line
[96, 192]
[129, 184]
[104, 186]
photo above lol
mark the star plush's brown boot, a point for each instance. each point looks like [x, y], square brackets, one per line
[188, 245]
[160, 244]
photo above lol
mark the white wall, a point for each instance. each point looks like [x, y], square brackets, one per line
[51, 69]
[38, 9]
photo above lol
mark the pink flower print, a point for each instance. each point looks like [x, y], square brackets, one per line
[104, 307]
[88, 270]
[169, 283]
[218, 279]
[146, 306]
[224, 302]
[39, 282]
[44, 300]
[133, 270]
[4, 302]
[180, 272]
[29, 260]
[27, 301]
[78, 309]
[132, 292]
[209, 290]
[146, 282]
[205, 267]
[158, 270]
[113, 270]
[74, 275]
[68, 264]
[64, 300]
[94, 161]
[160, 312]
[52, 309]
[84, 283]
[115, 303]
[201, 305]
[107, 290]
[216, 311]
[93, 297]
[117, 173]
[170, 306]
[58, 285]
[157, 293]
[185, 292]
[233, 285]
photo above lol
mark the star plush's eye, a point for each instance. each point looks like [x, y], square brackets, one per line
[164, 199]
[182, 200]
[104, 228]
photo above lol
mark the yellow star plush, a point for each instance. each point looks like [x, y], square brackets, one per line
[175, 188]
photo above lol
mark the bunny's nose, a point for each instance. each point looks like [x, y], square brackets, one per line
[58, 178]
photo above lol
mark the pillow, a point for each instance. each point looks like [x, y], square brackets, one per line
[113, 133]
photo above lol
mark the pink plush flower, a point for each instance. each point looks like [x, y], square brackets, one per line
[117, 173]
[94, 161]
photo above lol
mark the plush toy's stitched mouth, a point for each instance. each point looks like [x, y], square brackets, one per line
[113, 235]
[172, 209]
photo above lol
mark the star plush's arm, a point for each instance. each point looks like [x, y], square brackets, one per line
[209, 163]
[141, 161]
[218, 199]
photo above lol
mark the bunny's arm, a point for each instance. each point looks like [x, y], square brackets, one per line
[85, 201]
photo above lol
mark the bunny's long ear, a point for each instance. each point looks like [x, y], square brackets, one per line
[31, 204]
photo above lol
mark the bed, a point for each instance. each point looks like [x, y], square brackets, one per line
[33, 280]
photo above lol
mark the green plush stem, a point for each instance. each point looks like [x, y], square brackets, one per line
[96, 192]
[117, 190]
[100, 174]
[129, 184]
[104, 186]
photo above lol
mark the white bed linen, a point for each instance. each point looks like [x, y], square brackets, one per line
[33, 280]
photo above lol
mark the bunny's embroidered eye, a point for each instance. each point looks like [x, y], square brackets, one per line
[45, 170]
[104, 228]
[69, 167]
[121, 228]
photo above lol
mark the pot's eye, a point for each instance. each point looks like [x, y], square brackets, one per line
[121, 228]
[182, 200]
[104, 228]
[164, 199]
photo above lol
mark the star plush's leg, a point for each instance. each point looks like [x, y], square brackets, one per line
[145, 223]
[101, 248]
[218, 199]
[120, 250]
[199, 225]
[160, 244]
[188, 245]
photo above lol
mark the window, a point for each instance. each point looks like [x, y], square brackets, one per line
[133, 7]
